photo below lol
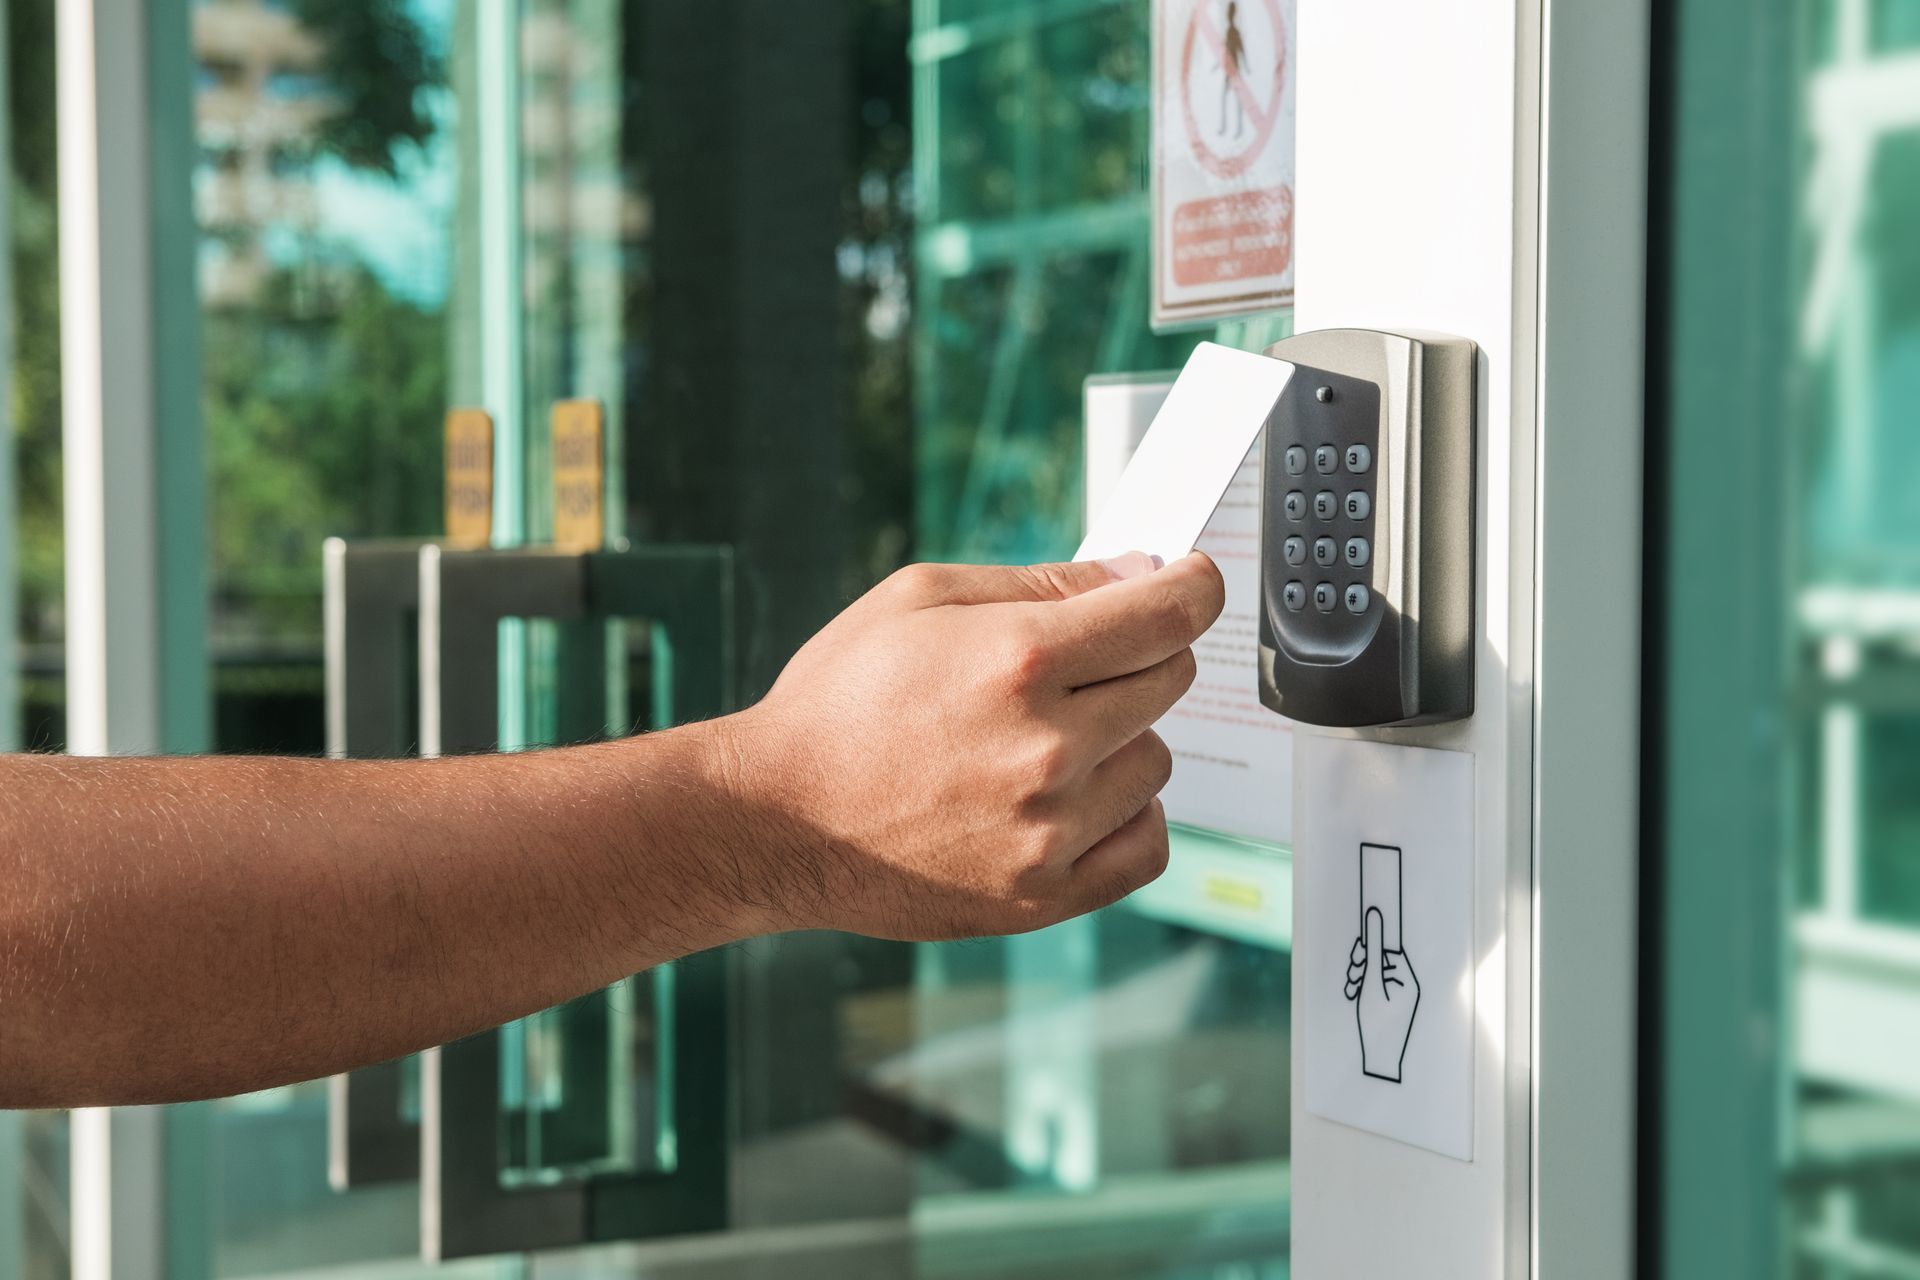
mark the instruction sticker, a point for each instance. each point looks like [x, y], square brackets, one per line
[1383, 937]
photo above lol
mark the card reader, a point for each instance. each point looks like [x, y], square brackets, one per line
[1367, 530]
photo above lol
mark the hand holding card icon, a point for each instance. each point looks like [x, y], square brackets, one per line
[1380, 979]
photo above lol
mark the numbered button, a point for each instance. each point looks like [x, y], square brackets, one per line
[1324, 597]
[1326, 459]
[1325, 504]
[1359, 505]
[1323, 552]
[1294, 596]
[1296, 505]
[1295, 550]
[1359, 459]
[1296, 460]
[1358, 598]
[1358, 552]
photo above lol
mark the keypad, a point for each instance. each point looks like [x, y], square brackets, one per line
[1329, 536]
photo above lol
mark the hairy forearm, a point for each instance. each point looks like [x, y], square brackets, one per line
[964, 751]
[174, 929]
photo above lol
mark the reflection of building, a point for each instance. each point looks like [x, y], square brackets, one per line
[258, 102]
[574, 194]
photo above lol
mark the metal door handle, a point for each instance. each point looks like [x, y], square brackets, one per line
[372, 596]
[465, 1210]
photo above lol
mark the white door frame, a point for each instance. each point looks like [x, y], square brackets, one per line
[135, 553]
[1478, 168]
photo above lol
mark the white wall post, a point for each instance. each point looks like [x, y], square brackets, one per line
[1478, 168]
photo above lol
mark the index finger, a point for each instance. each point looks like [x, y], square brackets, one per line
[1136, 623]
[942, 584]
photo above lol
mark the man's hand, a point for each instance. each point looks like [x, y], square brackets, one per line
[968, 750]
[965, 751]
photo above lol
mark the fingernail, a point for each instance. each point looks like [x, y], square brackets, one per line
[1158, 562]
[1134, 564]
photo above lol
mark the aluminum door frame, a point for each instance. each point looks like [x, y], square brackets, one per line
[371, 600]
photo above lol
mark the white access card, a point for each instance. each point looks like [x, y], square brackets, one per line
[1189, 456]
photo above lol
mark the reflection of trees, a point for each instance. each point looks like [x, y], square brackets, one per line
[321, 409]
[35, 384]
[375, 60]
[1033, 269]
[323, 398]
[316, 426]
[876, 274]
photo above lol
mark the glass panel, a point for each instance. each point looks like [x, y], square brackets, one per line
[35, 1233]
[1854, 1103]
[32, 576]
[1790, 657]
[837, 274]
[1112, 1090]
[329, 201]
[849, 332]
[325, 194]
[586, 1087]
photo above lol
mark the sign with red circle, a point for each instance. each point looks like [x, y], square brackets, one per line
[1223, 158]
[1250, 84]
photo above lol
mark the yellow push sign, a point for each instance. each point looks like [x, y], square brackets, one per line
[469, 466]
[579, 475]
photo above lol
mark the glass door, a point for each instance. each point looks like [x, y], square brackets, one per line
[832, 281]
[837, 336]
[805, 382]
[1786, 746]
[332, 204]
[1111, 1095]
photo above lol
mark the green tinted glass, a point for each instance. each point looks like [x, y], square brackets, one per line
[1788, 648]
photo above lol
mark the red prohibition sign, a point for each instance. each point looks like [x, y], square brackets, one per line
[1202, 27]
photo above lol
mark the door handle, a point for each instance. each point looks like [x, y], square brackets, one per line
[371, 601]
[469, 1206]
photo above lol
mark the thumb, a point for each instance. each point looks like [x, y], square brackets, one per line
[1376, 949]
[1030, 584]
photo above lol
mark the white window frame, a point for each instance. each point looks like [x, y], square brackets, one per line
[137, 671]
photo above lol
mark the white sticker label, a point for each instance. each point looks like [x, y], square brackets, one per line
[1383, 939]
